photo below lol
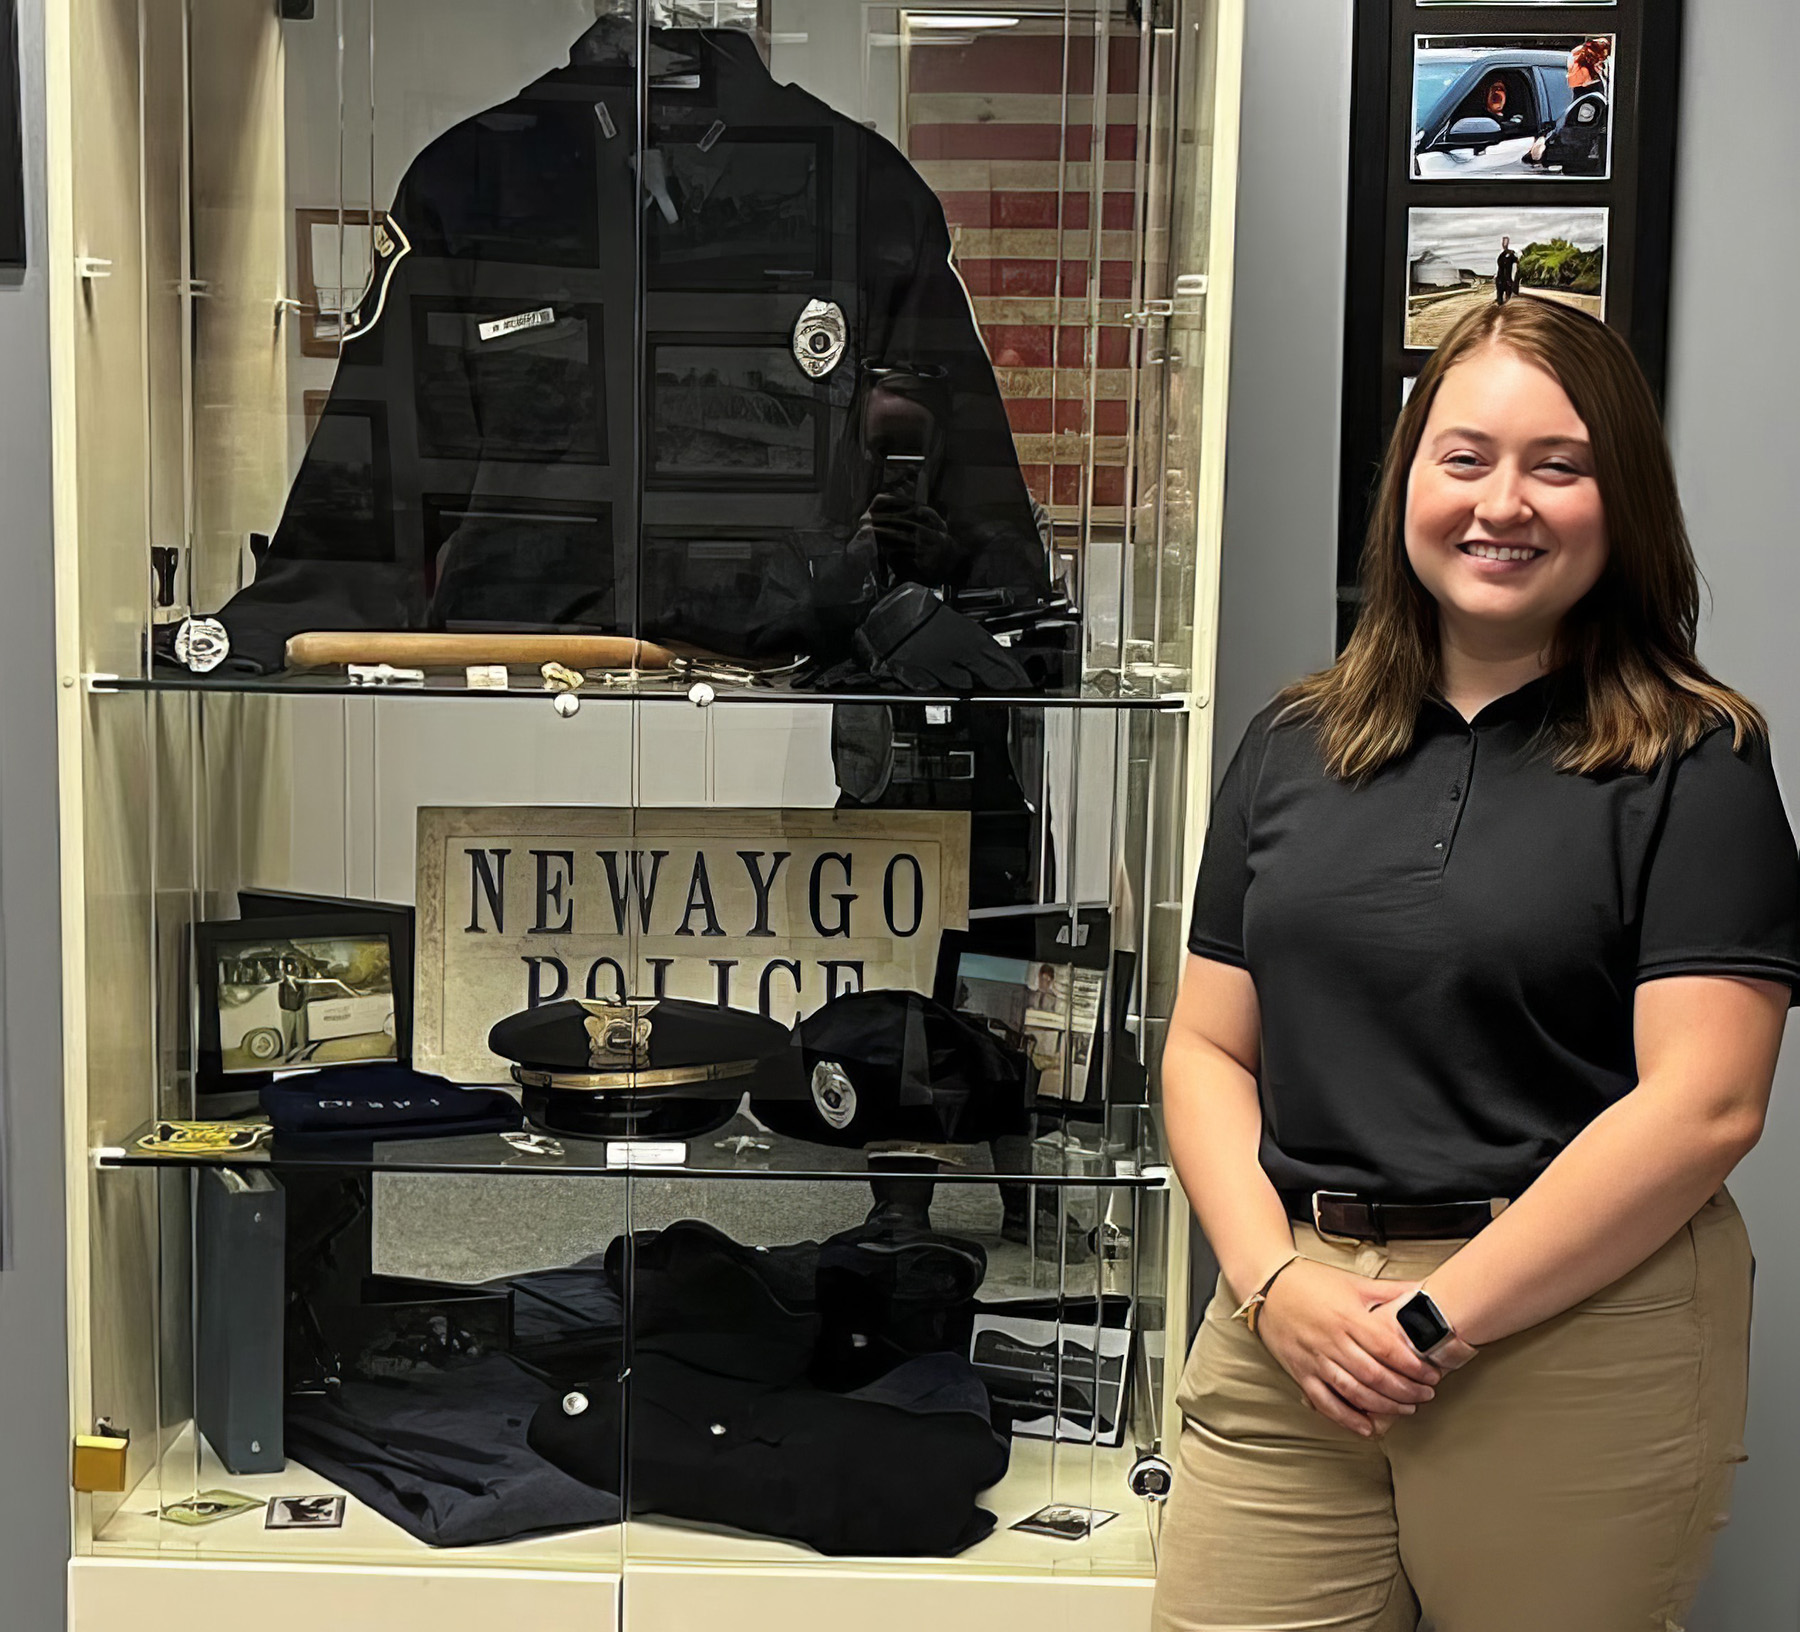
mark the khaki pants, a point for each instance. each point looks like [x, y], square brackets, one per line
[1569, 1479]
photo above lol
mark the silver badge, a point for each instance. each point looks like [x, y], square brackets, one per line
[833, 1094]
[574, 1404]
[819, 337]
[202, 644]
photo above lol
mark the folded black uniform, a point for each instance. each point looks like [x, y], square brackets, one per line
[383, 1102]
[892, 1469]
[737, 1403]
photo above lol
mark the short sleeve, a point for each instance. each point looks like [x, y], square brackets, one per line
[1722, 892]
[1217, 930]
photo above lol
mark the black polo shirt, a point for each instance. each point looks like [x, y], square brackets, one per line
[1446, 955]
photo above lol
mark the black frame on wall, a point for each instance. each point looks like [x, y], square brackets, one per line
[12, 144]
[1639, 196]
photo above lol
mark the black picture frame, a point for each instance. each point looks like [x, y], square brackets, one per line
[1644, 101]
[331, 921]
[688, 380]
[679, 255]
[12, 144]
[1081, 939]
[560, 367]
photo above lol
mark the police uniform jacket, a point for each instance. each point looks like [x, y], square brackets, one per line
[573, 396]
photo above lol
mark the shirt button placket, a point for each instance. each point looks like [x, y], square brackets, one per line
[1440, 849]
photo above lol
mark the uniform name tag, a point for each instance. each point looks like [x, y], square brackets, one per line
[543, 318]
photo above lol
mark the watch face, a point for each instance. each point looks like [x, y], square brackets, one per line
[1425, 1328]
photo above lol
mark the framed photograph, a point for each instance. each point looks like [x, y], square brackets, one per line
[549, 359]
[1460, 259]
[396, 916]
[1512, 107]
[1031, 1361]
[727, 413]
[770, 184]
[349, 443]
[1042, 983]
[294, 994]
[571, 543]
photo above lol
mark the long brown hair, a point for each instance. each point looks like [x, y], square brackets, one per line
[1636, 690]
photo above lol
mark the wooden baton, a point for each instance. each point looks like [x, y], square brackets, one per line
[429, 649]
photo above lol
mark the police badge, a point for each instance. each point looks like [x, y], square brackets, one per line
[202, 644]
[819, 337]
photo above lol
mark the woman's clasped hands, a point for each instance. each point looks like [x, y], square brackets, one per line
[1335, 1334]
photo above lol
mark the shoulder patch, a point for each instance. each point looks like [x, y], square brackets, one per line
[389, 246]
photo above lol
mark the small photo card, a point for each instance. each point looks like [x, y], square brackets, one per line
[1065, 1523]
[305, 1513]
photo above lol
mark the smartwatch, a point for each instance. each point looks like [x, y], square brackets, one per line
[1424, 1323]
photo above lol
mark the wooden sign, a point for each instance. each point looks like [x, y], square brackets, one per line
[771, 911]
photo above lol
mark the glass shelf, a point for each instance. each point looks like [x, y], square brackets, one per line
[1108, 691]
[720, 1154]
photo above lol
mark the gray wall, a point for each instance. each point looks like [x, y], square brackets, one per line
[1734, 420]
[1277, 594]
[34, 1540]
[1734, 424]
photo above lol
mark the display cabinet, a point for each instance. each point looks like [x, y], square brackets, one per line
[636, 597]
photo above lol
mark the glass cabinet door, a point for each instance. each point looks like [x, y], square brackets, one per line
[636, 588]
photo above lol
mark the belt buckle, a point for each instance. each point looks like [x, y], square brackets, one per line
[1318, 1225]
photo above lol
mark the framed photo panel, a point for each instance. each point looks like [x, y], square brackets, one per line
[1497, 153]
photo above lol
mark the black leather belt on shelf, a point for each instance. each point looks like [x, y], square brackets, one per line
[1341, 1215]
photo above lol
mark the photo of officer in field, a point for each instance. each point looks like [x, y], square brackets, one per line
[1460, 258]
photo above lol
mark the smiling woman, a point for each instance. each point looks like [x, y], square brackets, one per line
[1496, 927]
[1530, 427]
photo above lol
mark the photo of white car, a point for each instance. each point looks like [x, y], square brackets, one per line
[1513, 108]
[305, 1003]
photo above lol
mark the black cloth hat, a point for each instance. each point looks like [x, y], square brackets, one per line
[895, 1065]
[711, 1302]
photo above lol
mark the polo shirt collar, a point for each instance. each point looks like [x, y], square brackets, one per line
[1533, 702]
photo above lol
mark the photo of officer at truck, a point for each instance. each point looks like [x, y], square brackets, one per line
[286, 1003]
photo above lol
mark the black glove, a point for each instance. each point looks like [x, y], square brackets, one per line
[913, 640]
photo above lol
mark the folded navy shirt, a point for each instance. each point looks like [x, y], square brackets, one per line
[383, 1102]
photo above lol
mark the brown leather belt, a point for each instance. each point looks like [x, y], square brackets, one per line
[1341, 1215]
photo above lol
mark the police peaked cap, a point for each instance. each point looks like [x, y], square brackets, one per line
[642, 1044]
